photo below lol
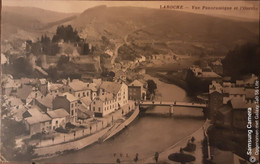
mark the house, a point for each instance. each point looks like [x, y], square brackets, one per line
[45, 102]
[9, 86]
[136, 91]
[36, 121]
[215, 98]
[233, 92]
[103, 105]
[54, 88]
[28, 93]
[42, 85]
[12, 102]
[119, 90]
[77, 88]
[86, 102]
[205, 73]
[217, 67]
[68, 102]
[17, 112]
[224, 116]
[93, 90]
[240, 113]
[59, 118]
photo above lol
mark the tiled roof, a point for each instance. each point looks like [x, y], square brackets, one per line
[78, 85]
[46, 100]
[136, 83]
[14, 101]
[86, 100]
[70, 97]
[24, 91]
[85, 114]
[106, 97]
[111, 87]
[58, 113]
[53, 87]
[36, 116]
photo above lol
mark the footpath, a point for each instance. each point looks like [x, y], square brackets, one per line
[198, 153]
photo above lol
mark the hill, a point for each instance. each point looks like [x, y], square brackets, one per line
[165, 29]
[29, 22]
[140, 28]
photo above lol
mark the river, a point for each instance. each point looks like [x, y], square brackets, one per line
[145, 136]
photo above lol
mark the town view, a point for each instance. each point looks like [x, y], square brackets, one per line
[128, 84]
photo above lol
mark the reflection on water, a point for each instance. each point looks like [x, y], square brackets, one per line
[145, 136]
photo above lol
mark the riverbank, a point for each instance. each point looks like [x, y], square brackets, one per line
[145, 135]
[99, 136]
[199, 135]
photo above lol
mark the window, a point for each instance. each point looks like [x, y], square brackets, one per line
[79, 95]
[72, 112]
[94, 102]
[84, 94]
[99, 109]
[93, 108]
[72, 105]
[87, 94]
[57, 122]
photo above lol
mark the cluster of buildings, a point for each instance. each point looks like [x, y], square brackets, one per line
[229, 102]
[208, 70]
[44, 106]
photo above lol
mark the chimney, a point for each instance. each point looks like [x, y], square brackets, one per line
[68, 81]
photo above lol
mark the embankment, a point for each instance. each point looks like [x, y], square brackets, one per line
[53, 150]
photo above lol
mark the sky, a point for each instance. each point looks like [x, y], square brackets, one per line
[78, 6]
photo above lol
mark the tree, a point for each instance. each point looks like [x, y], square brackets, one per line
[242, 60]
[66, 33]
[151, 86]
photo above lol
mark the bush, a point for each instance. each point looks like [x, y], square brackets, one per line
[61, 130]
[70, 126]
[36, 136]
[180, 157]
[190, 147]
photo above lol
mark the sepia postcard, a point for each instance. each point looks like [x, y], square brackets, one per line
[167, 82]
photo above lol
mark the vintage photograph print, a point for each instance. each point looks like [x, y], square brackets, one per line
[102, 82]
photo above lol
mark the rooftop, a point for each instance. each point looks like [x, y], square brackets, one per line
[58, 113]
[46, 100]
[69, 97]
[24, 91]
[78, 85]
[111, 87]
[136, 83]
[86, 100]
[36, 116]
[234, 90]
